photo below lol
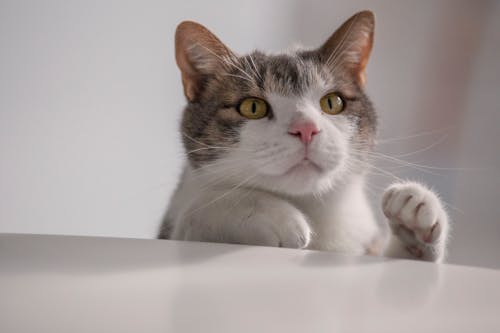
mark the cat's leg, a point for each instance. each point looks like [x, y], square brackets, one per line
[418, 222]
[244, 217]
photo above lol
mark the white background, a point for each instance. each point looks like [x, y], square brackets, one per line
[90, 100]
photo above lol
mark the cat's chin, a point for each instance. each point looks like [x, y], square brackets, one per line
[303, 178]
[305, 168]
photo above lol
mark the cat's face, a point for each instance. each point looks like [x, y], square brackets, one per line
[297, 123]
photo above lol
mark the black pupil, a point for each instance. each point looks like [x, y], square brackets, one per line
[329, 102]
[254, 107]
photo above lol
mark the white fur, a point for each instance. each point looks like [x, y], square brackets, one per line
[263, 193]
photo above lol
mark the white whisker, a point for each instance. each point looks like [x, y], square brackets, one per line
[255, 67]
[432, 145]
[228, 61]
[238, 76]
[412, 136]
[225, 194]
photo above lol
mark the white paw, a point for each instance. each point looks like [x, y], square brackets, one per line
[280, 229]
[260, 219]
[417, 218]
[294, 232]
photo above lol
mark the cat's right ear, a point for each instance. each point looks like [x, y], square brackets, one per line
[198, 53]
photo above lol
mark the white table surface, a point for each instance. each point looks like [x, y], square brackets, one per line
[87, 284]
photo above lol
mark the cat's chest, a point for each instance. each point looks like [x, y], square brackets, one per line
[341, 224]
[324, 214]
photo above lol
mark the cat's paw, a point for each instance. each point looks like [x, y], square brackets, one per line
[280, 229]
[295, 232]
[260, 219]
[417, 217]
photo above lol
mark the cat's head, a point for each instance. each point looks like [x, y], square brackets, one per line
[297, 122]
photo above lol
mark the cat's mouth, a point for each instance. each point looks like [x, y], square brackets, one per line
[304, 166]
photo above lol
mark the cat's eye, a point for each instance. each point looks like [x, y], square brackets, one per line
[253, 108]
[332, 103]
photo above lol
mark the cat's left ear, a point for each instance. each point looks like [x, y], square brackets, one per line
[349, 47]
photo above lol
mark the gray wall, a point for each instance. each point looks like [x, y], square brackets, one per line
[90, 100]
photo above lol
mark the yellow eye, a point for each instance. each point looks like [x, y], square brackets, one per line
[332, 103]
[253, 108]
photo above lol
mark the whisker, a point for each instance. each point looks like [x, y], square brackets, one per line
[194, 140]
[228, 61]
[255, 67]
[412, 136]
[251, 189]
[221, 148]
[432, 145]
[399, 179]
[378, 169]
[384, 157]
[222, 167]
[242, 183]
[238, 76]
[247, 62]
[416, 165]
[225, 194]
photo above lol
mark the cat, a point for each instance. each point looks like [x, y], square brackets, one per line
[276, 148]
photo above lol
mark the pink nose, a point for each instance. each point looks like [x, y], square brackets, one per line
[304, 130]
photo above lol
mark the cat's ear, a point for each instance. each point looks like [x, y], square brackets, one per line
[349, 47]
[198, 53]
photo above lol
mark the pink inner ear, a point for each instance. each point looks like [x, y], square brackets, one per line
[353, 41]
[197, 51]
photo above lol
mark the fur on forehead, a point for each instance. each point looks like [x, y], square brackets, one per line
[203, 58]
[289, 74]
